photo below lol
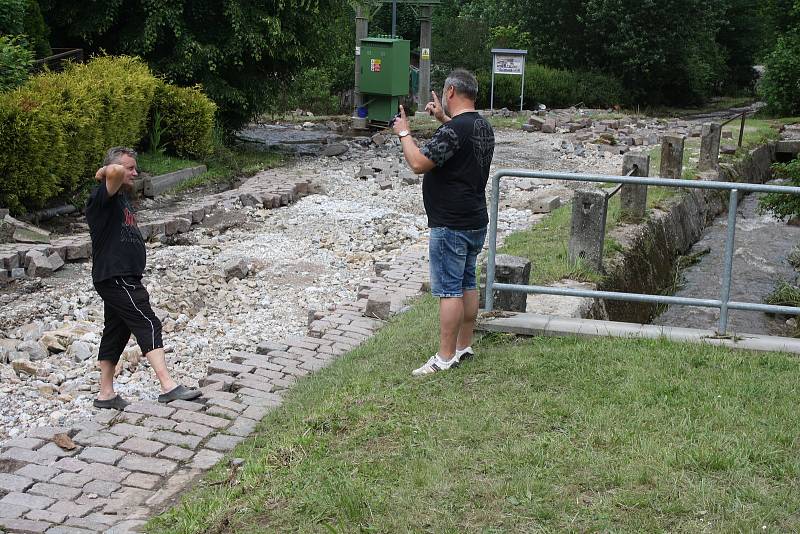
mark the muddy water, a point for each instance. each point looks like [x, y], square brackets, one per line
[761, 248]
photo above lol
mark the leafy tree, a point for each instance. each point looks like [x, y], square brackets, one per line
[240, 51]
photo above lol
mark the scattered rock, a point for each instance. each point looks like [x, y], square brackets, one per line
[80, 351]
[379, 306]
[236, 269]
[336, 149]
[64, 441]
[35, 349]
[26, 367]
[27, 233]
[727, 149]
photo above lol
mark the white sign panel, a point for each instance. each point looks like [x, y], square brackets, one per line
[508, 64]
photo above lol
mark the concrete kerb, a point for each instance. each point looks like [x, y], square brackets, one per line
[530, 324]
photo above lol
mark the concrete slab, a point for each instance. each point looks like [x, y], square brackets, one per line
[531, 324]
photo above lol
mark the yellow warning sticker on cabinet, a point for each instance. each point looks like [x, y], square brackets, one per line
[375, 65]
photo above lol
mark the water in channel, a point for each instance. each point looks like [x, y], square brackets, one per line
[759, 262]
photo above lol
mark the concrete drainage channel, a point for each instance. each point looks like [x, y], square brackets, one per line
[646, 264]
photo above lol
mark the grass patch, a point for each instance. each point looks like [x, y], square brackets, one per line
[426, 126]
[537, 435]
[225, 165]
[156, 164]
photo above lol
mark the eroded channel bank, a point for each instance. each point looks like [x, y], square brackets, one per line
[650, 250]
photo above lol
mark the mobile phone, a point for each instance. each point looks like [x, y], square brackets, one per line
[394, 119]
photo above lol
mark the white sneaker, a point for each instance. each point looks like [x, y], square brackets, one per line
[435, 364]
[464, 354]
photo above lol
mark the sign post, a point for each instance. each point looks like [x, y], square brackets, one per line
[508, 61]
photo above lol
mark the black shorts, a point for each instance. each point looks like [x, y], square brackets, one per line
[127, 311]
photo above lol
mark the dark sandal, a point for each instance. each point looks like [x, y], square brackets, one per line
[114, 403]
[179, 393]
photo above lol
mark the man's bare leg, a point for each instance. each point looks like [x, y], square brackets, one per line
[106, 380]
[159, 365]
[451, 315]
[470, 301]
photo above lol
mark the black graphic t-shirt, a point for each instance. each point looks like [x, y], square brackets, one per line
[454, 192]
[117, 244]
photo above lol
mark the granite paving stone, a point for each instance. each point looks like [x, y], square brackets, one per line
[143, 480]
[141, 446]
[158, 423]
[12, 511]
[176, 453]
[150, 408]
[26, 500]
[55, 491]
[24, 525]
[73, 509]
[75, 480]
[194, 428]
[101, 488]
[206, 459]
[108, 473]
[186, 406]
[128, 431]
[40, 473]
[101, 455]
[156, 466]
[70, 464]
[46, 515]
[16, 483]
[174, 438]
[199, 418]
[223, 442]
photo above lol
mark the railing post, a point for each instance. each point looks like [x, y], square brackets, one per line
[633, 198]
[671, 157]
[709, 147]
[493, 210]
[733, 204]
[588, 228]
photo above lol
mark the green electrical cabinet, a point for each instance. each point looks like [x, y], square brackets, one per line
[384, 75]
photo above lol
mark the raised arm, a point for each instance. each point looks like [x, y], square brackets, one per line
[113, 175]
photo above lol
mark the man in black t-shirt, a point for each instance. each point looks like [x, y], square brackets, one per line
[456, 164]
[118, 261]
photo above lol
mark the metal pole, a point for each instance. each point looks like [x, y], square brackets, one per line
[494, 208]
[424, 63]
[741, 129]
[728, 268]
[522, 93]
[394, 19]
[491, 98]
[362, 28]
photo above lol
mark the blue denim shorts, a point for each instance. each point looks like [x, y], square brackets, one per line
[453, 255]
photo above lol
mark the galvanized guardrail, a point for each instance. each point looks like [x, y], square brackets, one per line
[723, 303]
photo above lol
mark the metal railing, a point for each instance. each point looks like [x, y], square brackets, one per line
[723, 303]
[59, 58]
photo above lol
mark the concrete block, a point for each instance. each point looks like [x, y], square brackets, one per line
[545, 204]
[379, 306]
[508, 270]
[549, 126]
[156, 185]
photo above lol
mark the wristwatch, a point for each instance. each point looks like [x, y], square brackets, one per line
[403, 133]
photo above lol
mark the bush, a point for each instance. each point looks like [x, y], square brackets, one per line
[186, 119]
[56, 128]
[555, 88]
[15, 63]
[783, 206]
[781, 83]
[311, 91]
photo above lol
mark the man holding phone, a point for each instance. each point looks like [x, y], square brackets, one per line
[456, 165]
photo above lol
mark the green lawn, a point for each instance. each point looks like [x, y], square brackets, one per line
[536, 435]
[225, 165]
